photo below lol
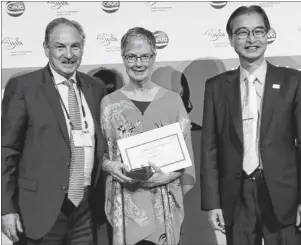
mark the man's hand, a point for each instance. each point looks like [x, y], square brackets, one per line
[298, 219]
[216, 220]
[11, 226]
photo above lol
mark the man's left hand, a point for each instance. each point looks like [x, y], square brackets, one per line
[298, 219]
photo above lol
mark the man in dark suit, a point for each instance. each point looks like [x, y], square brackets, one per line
[52, 146]
[251, 142]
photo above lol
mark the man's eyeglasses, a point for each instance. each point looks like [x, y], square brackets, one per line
[244, 34]
[145, 58]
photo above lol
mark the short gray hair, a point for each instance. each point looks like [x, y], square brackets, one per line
[56, 22]
[138, 32]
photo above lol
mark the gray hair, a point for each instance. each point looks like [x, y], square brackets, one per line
[56, 22]
[135, 33]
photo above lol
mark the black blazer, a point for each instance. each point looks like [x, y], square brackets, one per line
[36, 148]
[280, 142]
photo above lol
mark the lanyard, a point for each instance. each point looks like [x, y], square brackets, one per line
[65, 109]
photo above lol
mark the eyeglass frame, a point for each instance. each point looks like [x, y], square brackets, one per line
[265, 32]
[139, 57]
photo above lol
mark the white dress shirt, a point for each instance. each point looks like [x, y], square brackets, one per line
[260, 74]
[63, 90]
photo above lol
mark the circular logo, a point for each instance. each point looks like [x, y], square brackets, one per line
[271, 36]
[161, 39]
[218, 4]
[110, 7]
[15, 9]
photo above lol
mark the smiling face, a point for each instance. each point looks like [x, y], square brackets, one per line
[64, 49]
[250, 49]
[138, 70]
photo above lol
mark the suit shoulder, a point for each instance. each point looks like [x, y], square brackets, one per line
[220, 77]
[92, 80]
[288, 71]
[25, 79]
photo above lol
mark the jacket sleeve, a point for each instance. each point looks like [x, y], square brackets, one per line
[14, 126]
[209, 170]
[297, 112]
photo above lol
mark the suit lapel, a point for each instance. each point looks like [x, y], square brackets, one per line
[87, 90]
[233, 94]
[269, 96]
[88, 93]
[54, 102]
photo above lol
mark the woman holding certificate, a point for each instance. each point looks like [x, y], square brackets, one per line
[149, 211]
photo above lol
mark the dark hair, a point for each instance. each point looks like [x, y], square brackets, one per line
[138, 32]
[247, 10]
[56, 22]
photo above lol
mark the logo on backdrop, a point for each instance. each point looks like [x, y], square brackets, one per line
[62, 8]
[57, 5]
[218, 4]
[14, 47]
[159, 6]
[106, 39]
[15, 9]
[109, 41]
[10, 43]
[271, 36]
[150, 3]
[217, 37]
[214, 34]
[110, 7]
[161, 39]
[268, 4]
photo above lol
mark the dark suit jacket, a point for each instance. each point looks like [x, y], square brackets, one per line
[280, 142]
[36, 148]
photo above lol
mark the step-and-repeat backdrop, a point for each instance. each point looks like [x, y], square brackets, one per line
[192, 46]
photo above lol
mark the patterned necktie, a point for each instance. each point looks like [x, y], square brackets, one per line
[250, 115]
[77, 167]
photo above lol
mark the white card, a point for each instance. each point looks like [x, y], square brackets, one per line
[82, 138]
[276, 86]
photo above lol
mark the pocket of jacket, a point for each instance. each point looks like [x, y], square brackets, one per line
[27, 184]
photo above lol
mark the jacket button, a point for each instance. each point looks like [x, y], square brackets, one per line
[67, 164]
[64, 188]
[238, 176]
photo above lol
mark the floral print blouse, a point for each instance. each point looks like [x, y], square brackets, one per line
[136, 213]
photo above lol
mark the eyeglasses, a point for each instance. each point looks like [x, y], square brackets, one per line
[145, 58]
[257, 33]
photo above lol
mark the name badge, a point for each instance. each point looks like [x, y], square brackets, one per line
[82, 138]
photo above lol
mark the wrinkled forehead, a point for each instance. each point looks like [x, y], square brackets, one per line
[65, 34]
[248, 21]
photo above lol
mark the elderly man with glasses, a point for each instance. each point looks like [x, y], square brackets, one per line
[251, 142]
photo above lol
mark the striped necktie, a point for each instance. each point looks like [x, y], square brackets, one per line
[250, 114]
[77, 167]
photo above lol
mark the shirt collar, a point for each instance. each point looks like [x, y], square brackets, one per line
[259, 73]
[58, 79]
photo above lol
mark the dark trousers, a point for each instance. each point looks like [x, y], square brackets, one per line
[254, 219]
[72, 227]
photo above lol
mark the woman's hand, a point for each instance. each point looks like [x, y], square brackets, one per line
[116, 169]
[159, 178]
